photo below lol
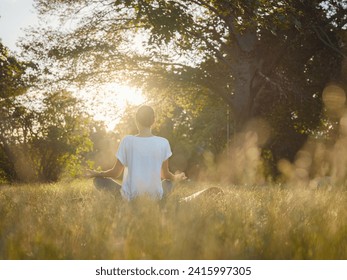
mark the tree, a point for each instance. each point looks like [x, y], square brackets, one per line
[61, 138]
[267, 59]
[41, 144]
[12, 122]
[105, 144]
[11, 74]
[38, 141]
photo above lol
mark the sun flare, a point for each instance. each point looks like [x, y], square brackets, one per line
[109, 102]
[125, 95]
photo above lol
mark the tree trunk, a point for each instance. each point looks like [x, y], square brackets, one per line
[244, 70]
[243, 96]
[9, 159]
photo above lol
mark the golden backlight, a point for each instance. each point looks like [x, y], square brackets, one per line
[110, 101]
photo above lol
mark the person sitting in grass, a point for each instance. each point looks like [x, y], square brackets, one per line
[144, 158]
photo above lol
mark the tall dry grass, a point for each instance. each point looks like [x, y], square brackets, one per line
[74, 221]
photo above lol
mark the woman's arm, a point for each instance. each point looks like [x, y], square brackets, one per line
[114, 172]
[166, 174]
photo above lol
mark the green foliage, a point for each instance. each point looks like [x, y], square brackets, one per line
[62, 137]
[41, 144]
[11, 72]
[193, 131]
[75, 221]
[13, 120]
[105, 144]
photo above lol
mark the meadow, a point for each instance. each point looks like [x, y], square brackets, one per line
[72, 220]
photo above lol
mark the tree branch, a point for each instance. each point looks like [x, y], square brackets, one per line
[327, 41]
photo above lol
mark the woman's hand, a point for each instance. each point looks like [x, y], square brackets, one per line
[179, 176]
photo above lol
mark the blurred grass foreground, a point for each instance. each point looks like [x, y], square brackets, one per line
[75, 221]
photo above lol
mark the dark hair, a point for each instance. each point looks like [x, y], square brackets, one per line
[145, 116]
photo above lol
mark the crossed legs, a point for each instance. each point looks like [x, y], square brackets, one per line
[109, 185]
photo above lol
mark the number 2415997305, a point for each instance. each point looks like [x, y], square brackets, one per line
[224, 270]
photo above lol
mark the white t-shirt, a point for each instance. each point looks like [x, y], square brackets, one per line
[142, 158]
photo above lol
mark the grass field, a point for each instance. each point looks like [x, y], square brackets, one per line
[72, 220]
